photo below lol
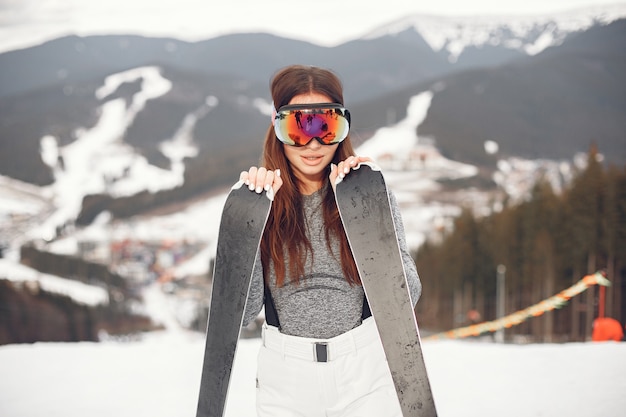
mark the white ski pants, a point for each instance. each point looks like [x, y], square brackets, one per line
[294, 381]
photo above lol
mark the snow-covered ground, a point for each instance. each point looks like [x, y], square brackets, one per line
[159, 376]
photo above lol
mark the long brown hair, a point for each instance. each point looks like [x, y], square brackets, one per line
[285, 231]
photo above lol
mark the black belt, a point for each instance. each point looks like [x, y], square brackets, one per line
[320, 352]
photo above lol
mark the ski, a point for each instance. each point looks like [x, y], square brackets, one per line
[364, 209]
[241, 227]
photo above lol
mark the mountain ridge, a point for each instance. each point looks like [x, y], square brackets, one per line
[516, 104]
[453, 33]
[457, 42]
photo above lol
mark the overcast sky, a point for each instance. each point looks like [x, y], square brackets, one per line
[327, 22]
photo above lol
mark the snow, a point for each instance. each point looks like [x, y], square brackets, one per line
[159, 375]
[412, 166]
[399, 138]
[81, 293]
[19, 197]
[491, 147]
[530, 33]
[98, 161]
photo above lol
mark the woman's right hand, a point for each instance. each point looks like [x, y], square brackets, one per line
[259, 179]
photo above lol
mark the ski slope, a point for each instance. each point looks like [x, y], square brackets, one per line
[158, 375]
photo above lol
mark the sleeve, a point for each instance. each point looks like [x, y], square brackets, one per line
[255, 295]
[412, 277]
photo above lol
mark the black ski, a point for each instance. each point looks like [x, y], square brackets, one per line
[243, 221]
[364, 208]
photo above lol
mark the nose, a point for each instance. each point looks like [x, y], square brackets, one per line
[313, 144]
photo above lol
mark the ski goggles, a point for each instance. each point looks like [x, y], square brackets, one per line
[298, 124]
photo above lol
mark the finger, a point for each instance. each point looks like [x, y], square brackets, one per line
[252, 174]
[344, 168]
[353, 162]
[243, 177]
[278, 181]
[269, 180]
[339, 169]
[361, 159]
[260, 179]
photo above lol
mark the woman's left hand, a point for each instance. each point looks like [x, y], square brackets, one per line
[344, 167]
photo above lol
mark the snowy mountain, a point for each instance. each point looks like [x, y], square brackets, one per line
[119, 153]
[571, 93]
[149, 127]
[97, 162]
[472, 40]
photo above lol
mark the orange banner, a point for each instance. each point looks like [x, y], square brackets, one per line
[549, 304]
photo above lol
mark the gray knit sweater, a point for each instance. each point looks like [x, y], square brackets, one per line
[323, 304]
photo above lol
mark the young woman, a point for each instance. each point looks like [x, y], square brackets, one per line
[321, 353]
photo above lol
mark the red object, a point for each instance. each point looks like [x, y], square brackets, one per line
[606, 328]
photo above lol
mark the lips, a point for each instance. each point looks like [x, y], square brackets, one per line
[312, 159]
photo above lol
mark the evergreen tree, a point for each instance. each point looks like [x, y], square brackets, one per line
[546, 244]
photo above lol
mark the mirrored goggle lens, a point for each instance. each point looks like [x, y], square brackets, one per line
[298, 124]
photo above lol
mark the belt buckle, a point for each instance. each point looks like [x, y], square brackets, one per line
[320, 351]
